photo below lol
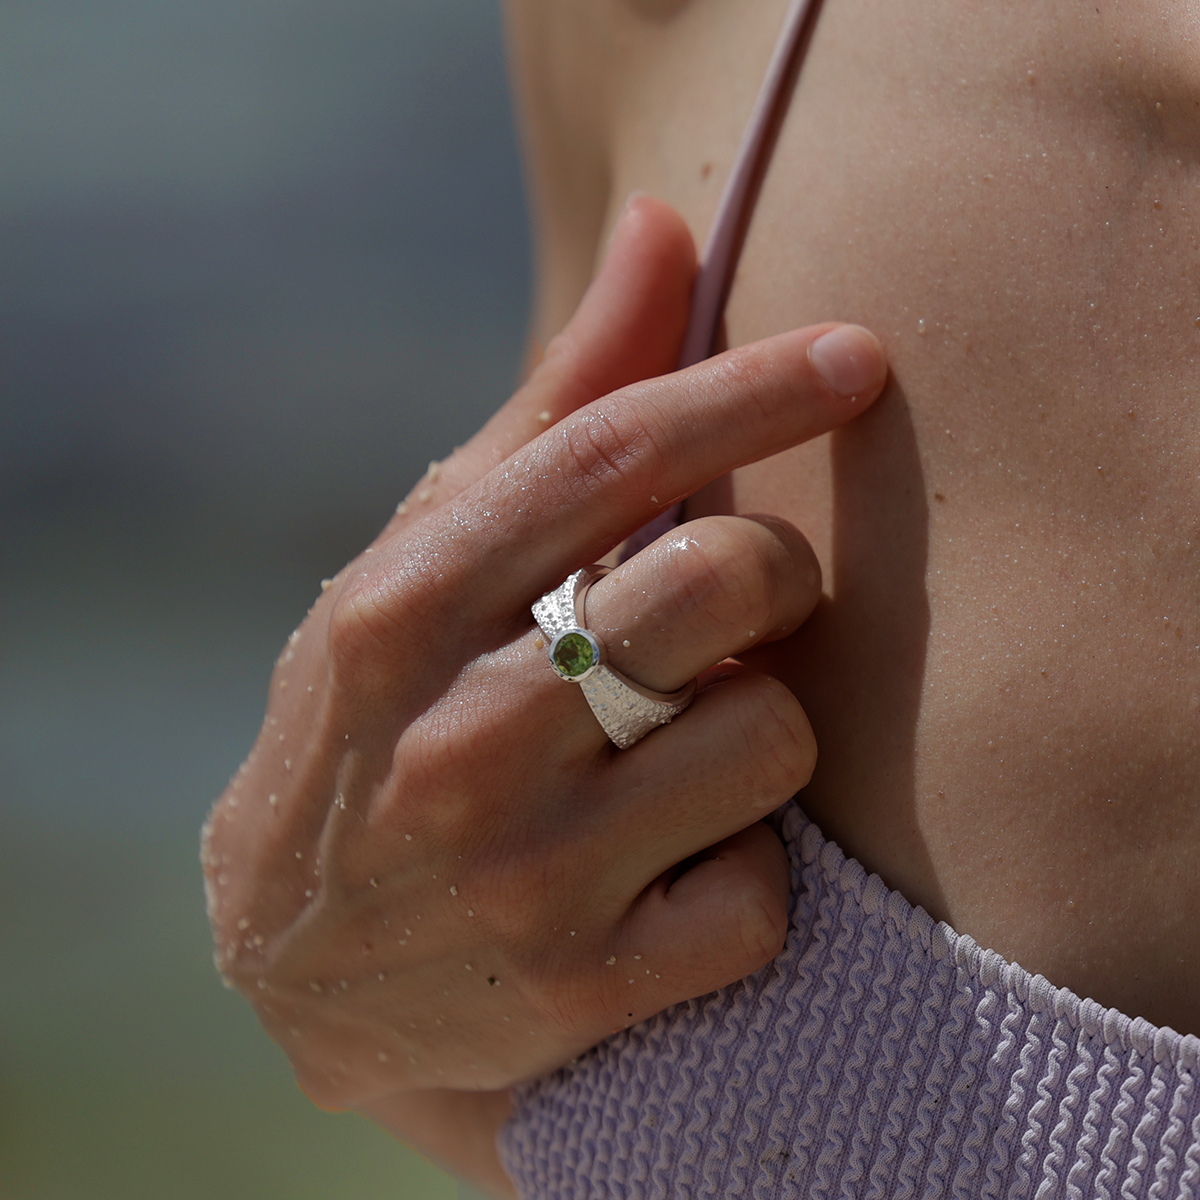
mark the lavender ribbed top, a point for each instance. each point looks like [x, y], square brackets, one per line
[881, 1055]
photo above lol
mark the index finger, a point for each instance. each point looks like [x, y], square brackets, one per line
[576, 491]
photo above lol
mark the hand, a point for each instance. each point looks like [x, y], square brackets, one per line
[434, 870]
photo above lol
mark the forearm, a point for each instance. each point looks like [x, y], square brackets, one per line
[455, 1129]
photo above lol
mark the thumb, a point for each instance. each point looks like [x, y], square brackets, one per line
[628, 327]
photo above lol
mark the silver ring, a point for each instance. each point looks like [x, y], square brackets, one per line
[626, 710]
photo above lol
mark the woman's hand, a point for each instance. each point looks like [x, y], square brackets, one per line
[434, 870]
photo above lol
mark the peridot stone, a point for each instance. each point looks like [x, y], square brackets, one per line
[573, 655]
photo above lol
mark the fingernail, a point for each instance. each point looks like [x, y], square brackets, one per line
[634, 195]
[849, 360]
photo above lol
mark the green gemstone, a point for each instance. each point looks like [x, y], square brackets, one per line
[573, 655]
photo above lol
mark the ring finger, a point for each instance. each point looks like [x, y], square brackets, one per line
[710, 589]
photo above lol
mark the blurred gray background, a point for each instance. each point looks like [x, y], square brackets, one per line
[260, 261]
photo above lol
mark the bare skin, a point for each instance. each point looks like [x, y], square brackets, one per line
[1004, 672]
[434, 876]
[1004, 678]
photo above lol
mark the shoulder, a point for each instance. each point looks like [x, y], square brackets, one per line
[561, 60]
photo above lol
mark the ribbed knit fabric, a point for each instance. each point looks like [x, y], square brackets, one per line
[881, 1055]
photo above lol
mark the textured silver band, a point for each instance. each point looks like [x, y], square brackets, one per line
[626, 710]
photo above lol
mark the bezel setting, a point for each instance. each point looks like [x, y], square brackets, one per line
[566, 647]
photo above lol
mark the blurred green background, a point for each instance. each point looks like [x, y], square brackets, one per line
[260, 261]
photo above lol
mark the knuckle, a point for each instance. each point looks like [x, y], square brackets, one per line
[369, 622]
[612, 443]
[780, 739]
[354, 637]
[792, 551]
[762, 922]
[743, 378]
[597, 451]
[728, 570]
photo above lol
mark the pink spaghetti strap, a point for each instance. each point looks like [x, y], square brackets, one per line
[719, 257]
[724, 237]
